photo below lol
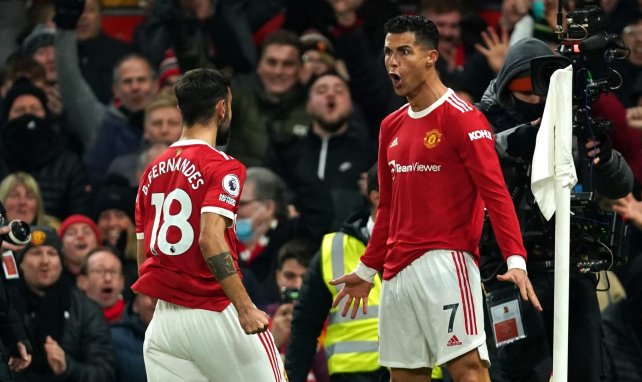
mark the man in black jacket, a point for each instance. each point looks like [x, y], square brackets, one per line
[70, 337]
[315, 301]
[514, 112]
[336, 148]
[15, 348]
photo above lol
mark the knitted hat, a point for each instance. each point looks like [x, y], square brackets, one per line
[320, 43]
[23, 86]
[41, 235]
[522, 82]
[77, 218]
[168, 67]
[40, 36]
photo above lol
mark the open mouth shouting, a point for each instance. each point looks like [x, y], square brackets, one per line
[396, 79]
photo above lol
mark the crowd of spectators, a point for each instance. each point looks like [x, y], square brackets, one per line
[82, 114]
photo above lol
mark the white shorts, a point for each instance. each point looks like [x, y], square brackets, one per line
[431, 312]
[183, 344]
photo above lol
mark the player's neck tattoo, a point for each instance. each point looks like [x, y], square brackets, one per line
[221, 265]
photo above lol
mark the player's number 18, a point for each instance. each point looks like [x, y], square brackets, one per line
[165, 219]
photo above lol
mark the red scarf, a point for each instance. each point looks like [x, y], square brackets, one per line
[114, 312]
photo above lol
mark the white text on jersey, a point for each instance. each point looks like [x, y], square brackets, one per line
[183, 165]
[414, 167]
[227, 199]
[478, 134]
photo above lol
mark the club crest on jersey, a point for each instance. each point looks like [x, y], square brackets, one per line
[432, 138]
[231, 184]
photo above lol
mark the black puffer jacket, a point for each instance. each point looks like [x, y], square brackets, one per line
[85, 338]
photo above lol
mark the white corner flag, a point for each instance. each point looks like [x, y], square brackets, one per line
[553, 158]
[553, 176]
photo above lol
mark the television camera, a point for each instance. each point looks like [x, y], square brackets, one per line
[599, 239]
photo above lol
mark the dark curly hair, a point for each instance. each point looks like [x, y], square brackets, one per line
[425, 30]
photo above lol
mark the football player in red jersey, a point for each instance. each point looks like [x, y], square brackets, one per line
[205, 327]
[438, 169]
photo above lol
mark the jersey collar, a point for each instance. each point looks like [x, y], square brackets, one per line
[426, 111]
[189, 142]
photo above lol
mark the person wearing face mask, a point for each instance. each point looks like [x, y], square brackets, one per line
[514, 112]
[263, 224]
[29, 144]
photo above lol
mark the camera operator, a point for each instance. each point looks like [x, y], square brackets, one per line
[15, 347]
[514, 112]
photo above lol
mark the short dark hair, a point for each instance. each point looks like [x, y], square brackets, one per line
[115, 76]
[299, 250]
[84, 265]
[20, 64]
[425, 30]
[282, 37]
[198, 92]
[373, 179]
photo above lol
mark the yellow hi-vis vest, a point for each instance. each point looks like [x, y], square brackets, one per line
[351, 345]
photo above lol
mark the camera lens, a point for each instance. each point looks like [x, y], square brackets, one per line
[19, 233]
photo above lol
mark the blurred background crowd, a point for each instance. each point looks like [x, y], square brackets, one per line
[87, 103]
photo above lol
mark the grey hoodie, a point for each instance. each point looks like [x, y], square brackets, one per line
[517, 61]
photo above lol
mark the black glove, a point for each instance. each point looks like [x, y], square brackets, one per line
[521, 144]
[606, 148]
[67, 13]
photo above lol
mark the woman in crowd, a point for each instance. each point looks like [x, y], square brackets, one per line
[21, 196]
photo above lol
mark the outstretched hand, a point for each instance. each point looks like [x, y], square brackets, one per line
[357, 290]
[519, 277]
[495, 47]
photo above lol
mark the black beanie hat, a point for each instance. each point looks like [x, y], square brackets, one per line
[41, 235]
[22, 86]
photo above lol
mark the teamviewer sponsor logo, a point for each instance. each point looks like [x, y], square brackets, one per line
[478, 134]
[454, 341]
[413, 167]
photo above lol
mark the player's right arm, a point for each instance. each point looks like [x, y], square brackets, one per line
[358, 283]
[218, 258]
[140, 253]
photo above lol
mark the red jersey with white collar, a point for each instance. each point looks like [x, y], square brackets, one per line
[189, 178]
[437, 168]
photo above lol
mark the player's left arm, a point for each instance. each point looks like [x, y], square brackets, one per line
[477, 150]
[218, 258]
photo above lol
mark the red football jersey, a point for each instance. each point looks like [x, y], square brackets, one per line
[189, 178]
[437, 169]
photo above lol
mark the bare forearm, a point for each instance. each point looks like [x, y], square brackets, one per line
[140, 254]
[223, 269]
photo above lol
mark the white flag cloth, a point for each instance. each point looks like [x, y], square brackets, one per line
[553, 158]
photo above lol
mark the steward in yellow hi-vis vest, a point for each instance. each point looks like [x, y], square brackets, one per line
[351, 347]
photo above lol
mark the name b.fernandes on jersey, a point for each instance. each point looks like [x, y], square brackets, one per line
[185, 166]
